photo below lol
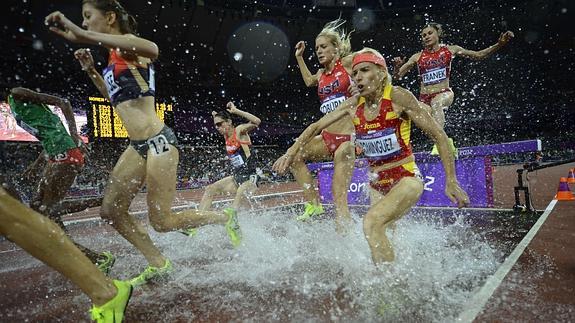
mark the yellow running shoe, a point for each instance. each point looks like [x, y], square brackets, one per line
[113, 311]
[105, 262]
[191, 232]
[233, 227]
[434, 150]
[454, 149]
[311, 210]
[152, 273]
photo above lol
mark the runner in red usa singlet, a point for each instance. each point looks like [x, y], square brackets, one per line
[333, 49]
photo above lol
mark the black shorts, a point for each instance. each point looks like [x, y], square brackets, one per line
[244, 174]
[158, 144]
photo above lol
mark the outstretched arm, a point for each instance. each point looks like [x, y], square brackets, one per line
[308, 78]
[242, 129]
[65, 28]
[27, 95]
[347, 107]
[86, 60]
[409, 105]
[504, 38]
[400, 67]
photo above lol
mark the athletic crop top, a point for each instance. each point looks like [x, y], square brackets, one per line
[39, 121]
[128, 80]
[332, 88]
[235, 151]
[384, 139]
[434, 67]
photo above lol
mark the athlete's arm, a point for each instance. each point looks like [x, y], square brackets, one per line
[27, 95]
[65, 28]
[84, 57]
[347, 107]
[69, 115]
[32, 172]
[244, 128]
[400, 68]
[405, 102]
[504, 38]
[308, 78]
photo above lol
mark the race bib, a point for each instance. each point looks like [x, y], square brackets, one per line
[331, 103]
[152, 78]
[111, 84]
[158, 145]
[434, 76]
[379, 145]
[237, 160]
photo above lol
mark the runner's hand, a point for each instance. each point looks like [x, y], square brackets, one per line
[456, 194]
[231, 107]
[84, 57]
[65, 28]
[398, 62]
[299, 48]
[282, 164]
[505, 37]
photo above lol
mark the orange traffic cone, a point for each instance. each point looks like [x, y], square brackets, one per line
[571, 176]
[563, 191]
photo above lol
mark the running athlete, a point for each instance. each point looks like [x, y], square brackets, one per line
[57, 166]
[152, 156]
[382, 116]
[332, 47]
[434, 67]
[47, 242]
[243, 182]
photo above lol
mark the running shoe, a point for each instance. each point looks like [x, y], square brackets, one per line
[105, 262]
[152, 273]
[452, 147]
[113, 311]
[191, 232]
[311, 210]
[233, 227]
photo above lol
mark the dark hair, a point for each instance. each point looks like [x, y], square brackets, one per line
[127, 22]
[437, 28]
[224, 115]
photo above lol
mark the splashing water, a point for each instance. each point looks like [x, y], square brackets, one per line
[288, 270]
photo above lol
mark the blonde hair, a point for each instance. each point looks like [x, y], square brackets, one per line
[382, 68]
[337, 36]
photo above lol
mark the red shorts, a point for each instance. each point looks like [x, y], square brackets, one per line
[71, 156]
[386, 179]
[426, 98]
[333, 141]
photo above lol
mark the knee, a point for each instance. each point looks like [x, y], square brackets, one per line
[160, 223]
[414, 186]
[110, 208]
[345, 153]
[210, 191]
[298, 160]
[373, 221]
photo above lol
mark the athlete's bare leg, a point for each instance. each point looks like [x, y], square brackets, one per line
[226, 185]
[244, 192]
[47, 242]
[439, 103]
[314, 150]
[385, 212]
[343, 161]
[125, 181]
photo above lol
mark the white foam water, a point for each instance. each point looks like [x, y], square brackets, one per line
[288, 270]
